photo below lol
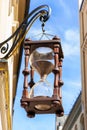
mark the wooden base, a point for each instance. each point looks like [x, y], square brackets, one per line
[42, 105]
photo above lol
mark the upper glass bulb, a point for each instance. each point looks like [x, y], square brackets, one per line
[42, 60]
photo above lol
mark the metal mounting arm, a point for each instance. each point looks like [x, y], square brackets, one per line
[6, 47]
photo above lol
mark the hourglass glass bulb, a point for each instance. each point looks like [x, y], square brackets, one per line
[42, 88]
[41, 60]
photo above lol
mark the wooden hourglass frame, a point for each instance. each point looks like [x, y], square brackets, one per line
[55, 102]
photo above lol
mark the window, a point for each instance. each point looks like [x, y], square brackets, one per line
[82, 122]
[76, 127]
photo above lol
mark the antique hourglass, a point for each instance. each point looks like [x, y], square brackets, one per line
[43, 56]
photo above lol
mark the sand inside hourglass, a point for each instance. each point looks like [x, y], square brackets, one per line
[43, 67]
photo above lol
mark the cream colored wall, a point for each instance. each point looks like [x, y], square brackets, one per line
[9, 21]
[3, 18]
[6, 24]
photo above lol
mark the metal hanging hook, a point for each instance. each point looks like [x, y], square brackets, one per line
[43, 24]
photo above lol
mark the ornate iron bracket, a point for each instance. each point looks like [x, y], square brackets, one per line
[6, 48]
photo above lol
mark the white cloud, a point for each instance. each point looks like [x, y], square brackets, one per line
[71, 43]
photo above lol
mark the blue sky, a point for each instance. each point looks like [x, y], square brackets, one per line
[64, 22]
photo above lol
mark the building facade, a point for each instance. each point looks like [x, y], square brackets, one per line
[83, 47]
[12, 13]
[75, 120]
[60, 122]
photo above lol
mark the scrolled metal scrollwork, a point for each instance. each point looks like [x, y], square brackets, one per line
[4, 48]
[39, 12]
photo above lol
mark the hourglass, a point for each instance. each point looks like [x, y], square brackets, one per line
[44, 57]
[41, 61]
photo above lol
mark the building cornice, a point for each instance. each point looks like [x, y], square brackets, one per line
[83, 4]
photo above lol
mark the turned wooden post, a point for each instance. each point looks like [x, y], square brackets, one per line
[31, 83]
[56, 71]
[60, 76]
[26, 71]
